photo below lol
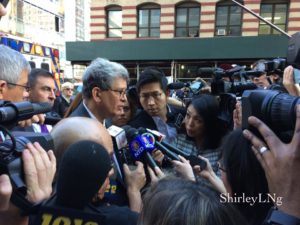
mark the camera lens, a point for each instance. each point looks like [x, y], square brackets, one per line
[275, 109]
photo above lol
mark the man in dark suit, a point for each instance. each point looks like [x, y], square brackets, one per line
[103, 91]
[104, 95]
[156, 113]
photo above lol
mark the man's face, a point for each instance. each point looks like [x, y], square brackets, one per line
[68, 92]
[153, 99]
[43, 90]
[112, 102]
[123, 116]
[15, 92]
[261, 81]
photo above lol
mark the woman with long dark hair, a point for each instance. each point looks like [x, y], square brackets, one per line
[202, 130]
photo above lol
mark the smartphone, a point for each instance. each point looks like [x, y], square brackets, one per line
[297, 76]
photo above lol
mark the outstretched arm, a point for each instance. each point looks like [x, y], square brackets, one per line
[281, 163]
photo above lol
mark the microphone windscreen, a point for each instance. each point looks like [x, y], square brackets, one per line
[84, 167]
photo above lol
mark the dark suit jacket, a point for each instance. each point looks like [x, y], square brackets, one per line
[61, 105]
[120, 197]
[80, 111]
[143, 119]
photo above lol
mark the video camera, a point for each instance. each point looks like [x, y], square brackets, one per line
[13, 144]
[276, 109]
[187, 89]
[237, 80]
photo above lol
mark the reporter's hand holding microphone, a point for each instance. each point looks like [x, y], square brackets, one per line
[185, 170]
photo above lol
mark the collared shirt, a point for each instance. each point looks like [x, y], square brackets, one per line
[68, 100]
[189, 146]
[165, 129]
[37, 128]
[91, 114]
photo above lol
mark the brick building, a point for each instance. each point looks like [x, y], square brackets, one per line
[181, 36]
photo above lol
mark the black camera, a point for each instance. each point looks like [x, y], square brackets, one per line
[13, 144]
[237, 80]
[274, 108]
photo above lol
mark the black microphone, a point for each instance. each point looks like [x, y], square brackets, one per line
[83, 169]
[51, 120]
[162, 145]
[139, 146]
[14, 112]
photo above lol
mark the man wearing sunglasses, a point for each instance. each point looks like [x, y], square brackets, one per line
[62, 102]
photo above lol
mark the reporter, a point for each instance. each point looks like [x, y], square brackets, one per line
[203, 132]
[74, 129]
[280, 162]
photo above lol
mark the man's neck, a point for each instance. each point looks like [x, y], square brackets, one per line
[164, 114]
[94, 110]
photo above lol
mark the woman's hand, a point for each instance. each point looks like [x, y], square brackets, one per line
[210, 175]
[184, 168]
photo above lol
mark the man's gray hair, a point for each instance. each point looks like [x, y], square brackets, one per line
[12, 63]
[101, 73]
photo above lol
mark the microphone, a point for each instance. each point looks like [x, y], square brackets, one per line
[83, 169]
[194, 160]
[51, 120]
[14, 112]
[119, 141]
[140, 147]
[161, 147]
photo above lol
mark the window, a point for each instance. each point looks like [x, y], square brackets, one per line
[114, 22]
[274, 12]
[228, 19]
[187, 20]
[149, 21]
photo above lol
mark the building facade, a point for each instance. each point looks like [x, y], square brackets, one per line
[182, 36]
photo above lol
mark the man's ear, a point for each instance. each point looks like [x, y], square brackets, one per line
[3, 88]
[96, 94]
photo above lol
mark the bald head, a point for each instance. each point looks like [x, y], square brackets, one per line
[74, 129]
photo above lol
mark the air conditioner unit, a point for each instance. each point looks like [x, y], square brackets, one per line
[221, 32]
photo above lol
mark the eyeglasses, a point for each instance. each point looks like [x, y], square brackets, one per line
[220, 167]
[121, 93]
[69, 89]
[27, 88]
[146, 96]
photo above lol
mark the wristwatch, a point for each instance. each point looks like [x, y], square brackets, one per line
[277, 217]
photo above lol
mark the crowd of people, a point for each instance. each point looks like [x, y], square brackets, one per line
[249, 178]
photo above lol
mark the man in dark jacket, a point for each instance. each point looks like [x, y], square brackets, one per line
[156, 113]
